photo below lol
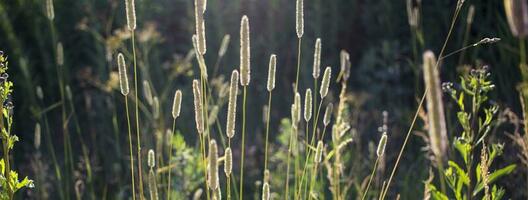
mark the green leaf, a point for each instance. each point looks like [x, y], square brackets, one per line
[494, 176]
[463, 148]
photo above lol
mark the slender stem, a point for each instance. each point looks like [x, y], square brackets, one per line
[298, 64]
[140, 171]
[267, 133]
[287, 185]
[311, 144]
[314, 178]
[205, 133]
[131, 152]
[522, 50]
[229, 177]
[243, 144]
[371, 177]
[384, 193]
[170, 159]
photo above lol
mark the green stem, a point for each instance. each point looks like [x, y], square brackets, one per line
[131, 151]
[312, 141]
[298, 64]
[243, 144]
[267, 133]
[140, 171]
[370, 178]
[170, 159]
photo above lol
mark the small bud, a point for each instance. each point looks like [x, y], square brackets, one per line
[151, 161]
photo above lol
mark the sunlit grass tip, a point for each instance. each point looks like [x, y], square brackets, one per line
[130, 7]
[325, 82]
[198, 106]
[317, 59]
[213, 165]
[245, 69]
[299, 18]
[176, 105]
[308, 105]
[271, 72]
[123, 78]
[232, 104]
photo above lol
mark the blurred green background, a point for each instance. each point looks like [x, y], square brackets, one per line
[386, 74]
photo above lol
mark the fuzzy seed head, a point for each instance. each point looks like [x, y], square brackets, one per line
[265, 191]
[308, 105]
[381, 145]
[213, 165]
[131, 14]
[199, 57]
[197, 194]
[123, 78]
[471, 14]
[228, 162]
[151, 161]
[299, 13]
[319, 152]
[345, 64]
[232, 104]
[199, 9]
[224, 45]
[37, 136]
[245, 54]
[435, 107]
[325, 82]
[198, 106]
[50, 11]
[68, 93]
[176, 105]
[328, 114]
[297, 107]
[40, 93]
[293, 116]
[317, 59]
[271, 72]
[147, 92]
[155, 107]
[60, 54]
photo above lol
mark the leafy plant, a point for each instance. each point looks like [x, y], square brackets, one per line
[468, 179]
[9, 182]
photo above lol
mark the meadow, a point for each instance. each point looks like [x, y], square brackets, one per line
[274, 99]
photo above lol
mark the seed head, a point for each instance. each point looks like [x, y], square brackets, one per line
[345, 64]
[298, 107]
[308, 105]
[293, 116]
[232, 104]
[50, 11]
[435, 107]
[245, 55]
[155, 107]
[151, 159]
[265, 191]
[213, 165]
[199, 57]
[319, 152]
[60, 54]
[328, 114]
[317, 59]
[381, 145]
[299, 25]
[37, 136]
[123, 78]
[228, 162]
[224, 45]
[131, 14]
[69, 95]
[176, 105]
[40, 93]
[199, 9]
[471, 14]
[325, 82]
[266, 176]
[198, 106]
[271, 72]
[147, 92]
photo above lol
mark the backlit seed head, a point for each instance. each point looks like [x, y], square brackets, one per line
[40, 93]
[345, 64]
[228, 162]
[265, 191]
[271, 72]
[319, 152]
[298, 107]
[293, 116]
[131, 14]
[151, 159]
[317, 59]
[198, 106]
[60, 54]
[123, 78]
[299, 12]
[199, 9]
[176, 105]
[213, 165]
[245, 54]
[308, 105]
[197, 194]
[155, 107]
[224, 45]
[199, 57]
[435, 107]
[147, 92]
[471, 14]
[266, 176]
[68, 93]
[381, 145]
[37, 136]
[325, 82]
[50, 11]
[328, 114]
[232, 104]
